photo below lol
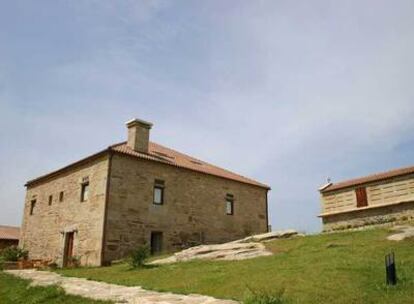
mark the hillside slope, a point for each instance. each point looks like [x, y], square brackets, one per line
[345, 267]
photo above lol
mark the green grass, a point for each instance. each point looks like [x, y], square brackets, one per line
[17, 291]
[345, 267]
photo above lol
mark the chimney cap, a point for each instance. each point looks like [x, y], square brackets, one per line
[135, 121]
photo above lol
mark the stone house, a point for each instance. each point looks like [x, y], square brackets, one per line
[376, 199]
[137, 192]
[9, 236]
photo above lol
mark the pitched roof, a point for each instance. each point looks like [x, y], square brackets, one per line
[9, 233]
[370, 178]
[164, 155]
[171, 157]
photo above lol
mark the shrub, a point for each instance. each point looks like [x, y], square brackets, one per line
[74, 261]
[138, 256]
[13, 254]
[53, 266]
[265, 297]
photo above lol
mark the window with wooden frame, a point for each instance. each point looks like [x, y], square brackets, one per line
[159, 186]
[229, 204]
[84, 189]
[361, 197]
[32, 206]
[50, 200]
[61, 196]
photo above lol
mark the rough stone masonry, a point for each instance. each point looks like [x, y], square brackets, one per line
[137, 192]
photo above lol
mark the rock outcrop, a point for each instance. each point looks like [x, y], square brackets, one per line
[226, 251]
[403, 233]
[269, 236]
[247, 248]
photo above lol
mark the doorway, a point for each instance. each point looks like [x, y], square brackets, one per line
[68, 250]
[156, 242]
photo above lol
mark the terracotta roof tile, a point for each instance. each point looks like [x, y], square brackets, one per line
[9, 233]
[370, 178]
[166, 155]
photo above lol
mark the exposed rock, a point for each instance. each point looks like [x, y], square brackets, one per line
[226, 251]
[403, 233]
[117, 293]
[269, 236]
[247, 248]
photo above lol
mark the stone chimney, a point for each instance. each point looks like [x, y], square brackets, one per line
[138, 134]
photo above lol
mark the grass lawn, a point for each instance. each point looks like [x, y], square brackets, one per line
[16, 291]
[345, 267]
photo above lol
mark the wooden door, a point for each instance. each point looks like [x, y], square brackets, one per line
[156, 242]
[68, 252]
[361, 197]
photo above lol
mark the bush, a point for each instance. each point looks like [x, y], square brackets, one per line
[138, 257]
[14, 254]
[265, 297]
[53, 266]
[74, 261]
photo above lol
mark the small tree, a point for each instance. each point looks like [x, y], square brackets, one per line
[14, 254]
[138, 256]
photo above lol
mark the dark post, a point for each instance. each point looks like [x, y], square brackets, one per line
[390, 269]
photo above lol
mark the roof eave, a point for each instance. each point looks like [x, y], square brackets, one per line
[325, 187]
[70, 166]
[362, 181]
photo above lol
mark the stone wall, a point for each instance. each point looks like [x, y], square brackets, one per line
[369, 217]
[43, 232]
[193, 210]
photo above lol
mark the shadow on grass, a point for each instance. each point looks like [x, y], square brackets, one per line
[151, 266]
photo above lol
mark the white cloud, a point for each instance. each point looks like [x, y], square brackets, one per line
[289, 94]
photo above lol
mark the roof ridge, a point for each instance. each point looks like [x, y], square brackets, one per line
[370, 178]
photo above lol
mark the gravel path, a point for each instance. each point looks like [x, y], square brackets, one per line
[117, 293]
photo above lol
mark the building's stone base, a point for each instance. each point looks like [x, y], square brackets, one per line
[360, 218]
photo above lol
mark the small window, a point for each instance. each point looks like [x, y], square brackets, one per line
[50, 200]
[229, 204]
[32, 206]
[158, 192]
[84, 191]
[361, 197]
[61, 195]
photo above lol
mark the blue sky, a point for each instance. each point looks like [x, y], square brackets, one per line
[286, 92]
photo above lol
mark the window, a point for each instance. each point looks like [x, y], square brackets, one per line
[61, 194]
[32, 206]
[50, 200]
[84, 191]
[361, 197]
[158, 192]
[229, 204]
